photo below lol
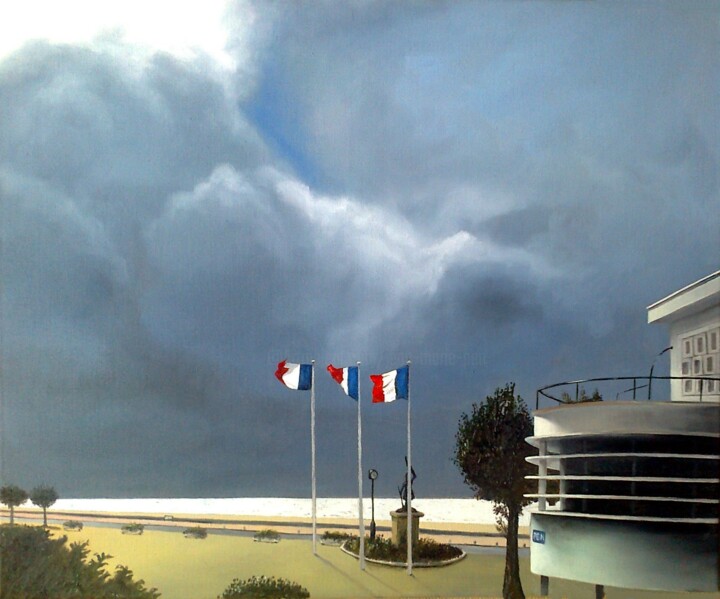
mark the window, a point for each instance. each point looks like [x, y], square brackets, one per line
[714, 340]
[701, 387]
[697, 366]
[709, 364]
[687, 347]
[701, 358]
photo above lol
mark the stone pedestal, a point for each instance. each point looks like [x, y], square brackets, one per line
[399, 527]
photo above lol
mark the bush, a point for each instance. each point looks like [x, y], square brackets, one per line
[268, 535]
[196, 532]
[333, 535]
[259, 587]
[73, 525]
[32, 564]
[134, 528]
[426, 550]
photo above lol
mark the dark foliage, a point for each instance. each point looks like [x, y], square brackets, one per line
[582, 397]
[44, 497]
[32, 564]
[491, 449]
[267, 535]
[262, 587]
[196, 532]
[491, 452]
[12, 496]
[426, 550]
[134, 528]
[334, 535]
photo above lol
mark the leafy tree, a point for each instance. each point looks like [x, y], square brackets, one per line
[12, 496]
[490, 451]
[44, 497]
[33, 564]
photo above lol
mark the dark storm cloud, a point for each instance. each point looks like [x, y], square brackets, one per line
[494, 191]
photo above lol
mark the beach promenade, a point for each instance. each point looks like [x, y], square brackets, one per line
[480, 535]
[183, 568]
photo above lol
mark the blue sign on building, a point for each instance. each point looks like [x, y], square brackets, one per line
[538, 536]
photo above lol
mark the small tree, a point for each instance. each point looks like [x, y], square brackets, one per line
[490, 451]
[582, 397]
[12, 496]
[44, 497]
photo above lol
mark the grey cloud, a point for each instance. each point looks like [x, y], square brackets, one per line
[462, 186]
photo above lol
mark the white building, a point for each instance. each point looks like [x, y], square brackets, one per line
[693, 314]
[637, 497]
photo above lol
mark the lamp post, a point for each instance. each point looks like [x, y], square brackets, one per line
[653, 368]
[372, 475]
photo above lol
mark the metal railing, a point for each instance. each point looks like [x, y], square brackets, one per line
[634, 388]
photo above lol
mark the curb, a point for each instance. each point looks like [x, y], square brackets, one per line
[448, 562]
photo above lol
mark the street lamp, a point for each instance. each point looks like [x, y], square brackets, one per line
[653, 368]
[372, 475]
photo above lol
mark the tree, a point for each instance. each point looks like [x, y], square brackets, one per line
[582, 397]
[44, 497]
[490, 450]
[12, 496]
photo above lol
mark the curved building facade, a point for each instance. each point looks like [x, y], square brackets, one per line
[629, 491]
[628, 494]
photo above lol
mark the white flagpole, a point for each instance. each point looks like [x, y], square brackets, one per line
[409, 484]
[312, 450]
[361, 520]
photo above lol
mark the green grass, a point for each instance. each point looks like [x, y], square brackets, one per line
[183, 570]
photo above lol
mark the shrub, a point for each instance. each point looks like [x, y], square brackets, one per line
[73, 525]
[333, 535]
[32, 564]
[196, 532]
[582, 397]
[268, 535]
[426, 550]
[134, 528]
[335, 538]
[264, 587]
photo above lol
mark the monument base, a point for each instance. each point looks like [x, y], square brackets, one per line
[399, 527]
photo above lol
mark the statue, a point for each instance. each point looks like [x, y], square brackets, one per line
[402, 489]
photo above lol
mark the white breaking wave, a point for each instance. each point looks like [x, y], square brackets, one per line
[459, 511]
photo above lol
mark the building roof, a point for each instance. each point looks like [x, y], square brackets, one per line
[694, 298]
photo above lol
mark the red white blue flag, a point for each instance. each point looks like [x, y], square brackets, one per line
[347, 378]
[295, 376]
[390, 386]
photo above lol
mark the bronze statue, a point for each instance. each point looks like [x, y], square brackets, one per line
[402, 489]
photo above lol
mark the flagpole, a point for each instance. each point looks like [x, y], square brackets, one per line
[361, 520]
[312, 450]
[408, 503]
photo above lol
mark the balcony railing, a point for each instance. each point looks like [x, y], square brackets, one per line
[579, 385]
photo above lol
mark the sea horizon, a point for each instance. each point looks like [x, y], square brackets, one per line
[435, 509]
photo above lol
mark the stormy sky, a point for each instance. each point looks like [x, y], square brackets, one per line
[191, 192]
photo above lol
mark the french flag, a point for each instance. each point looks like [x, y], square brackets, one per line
[391, 385]
[347, 378]
[295, 376]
